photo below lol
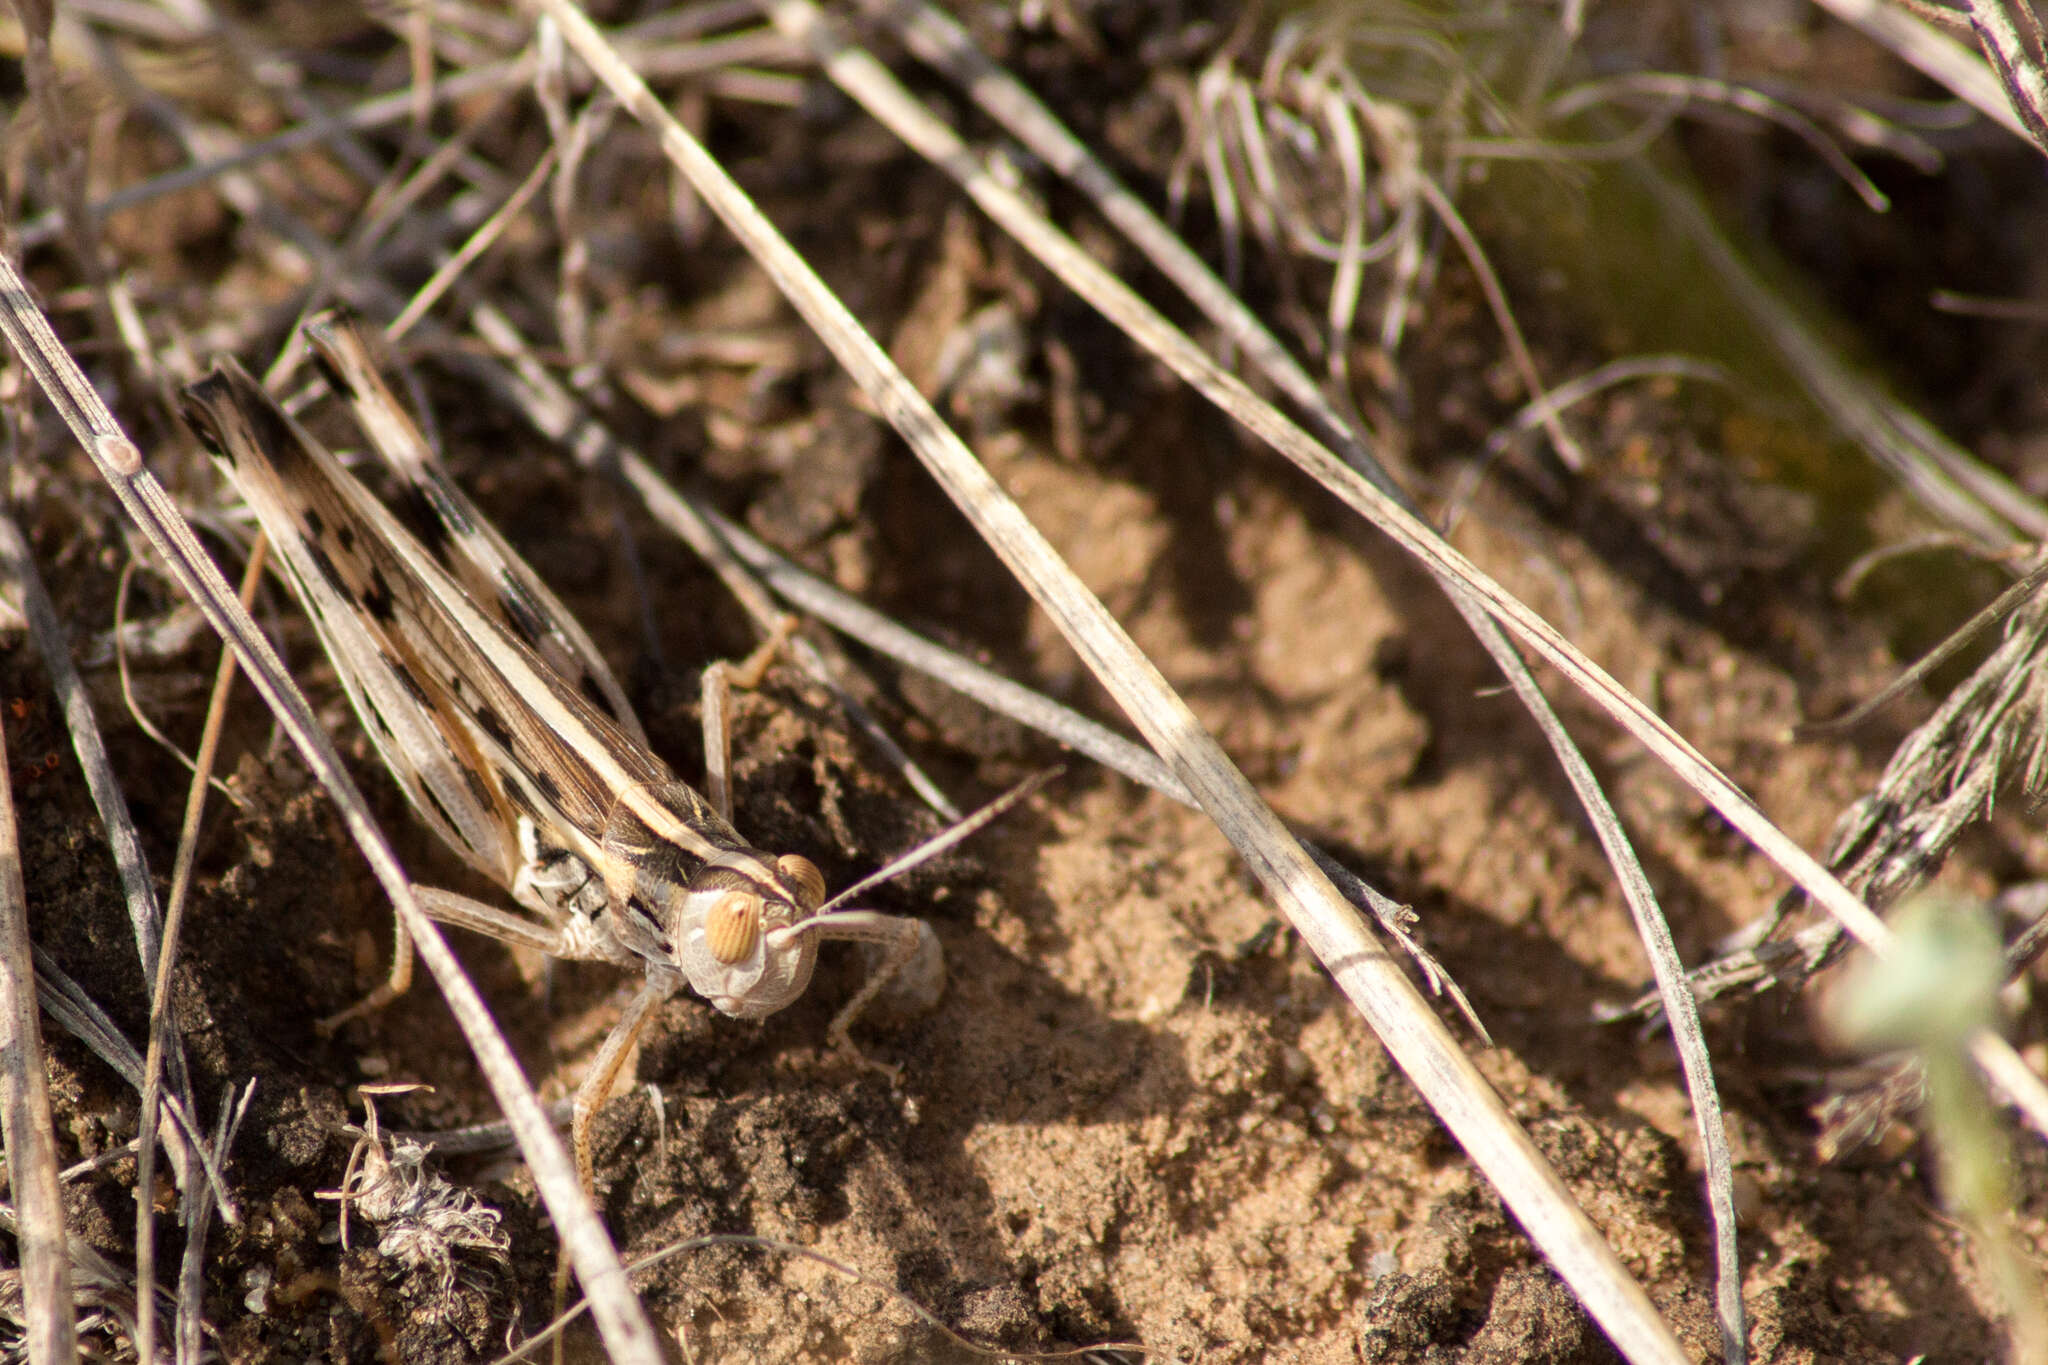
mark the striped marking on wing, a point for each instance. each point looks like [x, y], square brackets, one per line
[454, 534]
[314, 533]
[550, 751]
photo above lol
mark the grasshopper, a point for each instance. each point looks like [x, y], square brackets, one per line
[514, 742]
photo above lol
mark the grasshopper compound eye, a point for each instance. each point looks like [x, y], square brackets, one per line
[733, 925]
[804, 878]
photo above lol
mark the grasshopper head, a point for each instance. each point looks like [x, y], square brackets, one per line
[725, 939]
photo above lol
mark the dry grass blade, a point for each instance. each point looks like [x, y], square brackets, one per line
[1990, 732]
[477, 243]
[139, 892]
[160, 986]
[618, 1313]
[738, 557]
[1958, 640]
[550, 408]
[1617, 372]
[192, 1266]
[1949, 482]
[25, 1098]
[943, 43]
[1372, 979]
[2024, 1087]
[1934, 54]
[68, 1005]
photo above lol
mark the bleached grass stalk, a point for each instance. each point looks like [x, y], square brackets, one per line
[1942, 463]
[914, 419]
[944, 44]
[478, 242]
[379, 112]
[620, 1318]
[675, 58]
[573, 137]
[444, 277]
[558, 416]
[25, 1093]
[938, 41]
[1933, 53]
[1496, 296]
[1374, 981]
[738, 557]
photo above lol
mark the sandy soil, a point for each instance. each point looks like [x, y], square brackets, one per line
[1141, 1115]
